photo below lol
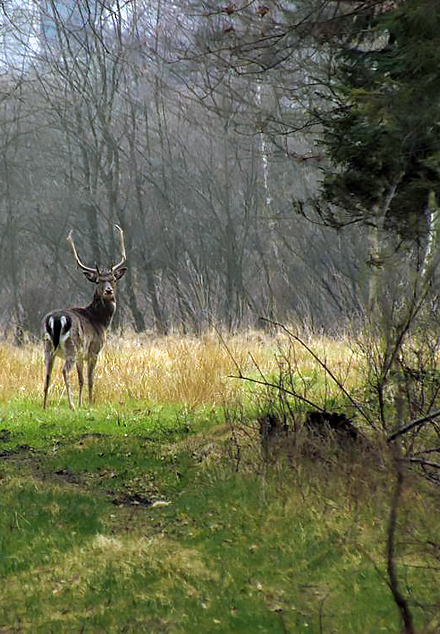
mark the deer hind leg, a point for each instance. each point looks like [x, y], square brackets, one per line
[49, 359]
[90, 369]
[79, 369]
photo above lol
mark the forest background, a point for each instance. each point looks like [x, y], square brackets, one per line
[215, 135]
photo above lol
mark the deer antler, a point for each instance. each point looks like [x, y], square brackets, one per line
[123, 254]
[78, 261]
[95, 270]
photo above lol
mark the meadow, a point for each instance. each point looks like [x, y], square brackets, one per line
[157, 510]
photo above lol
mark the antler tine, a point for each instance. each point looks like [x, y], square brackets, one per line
[75, 253]
[123, 254]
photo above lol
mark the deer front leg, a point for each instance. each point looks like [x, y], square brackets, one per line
[48, 358]
[70, 361]
[90, 369]
[79, 369]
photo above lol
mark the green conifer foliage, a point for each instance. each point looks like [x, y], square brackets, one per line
[383, 135]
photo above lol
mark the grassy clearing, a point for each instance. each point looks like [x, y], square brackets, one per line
[131, 516]
[183, 370]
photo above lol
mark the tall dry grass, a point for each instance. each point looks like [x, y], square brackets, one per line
[178, 369]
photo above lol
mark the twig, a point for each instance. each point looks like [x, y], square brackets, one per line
[234, 361]
[423, 463]
[326, 368]
[264, 382]
[412, 424]
[260, 371]
[277, 387]
[425, 451]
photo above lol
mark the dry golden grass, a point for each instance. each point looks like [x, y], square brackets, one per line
[178, 369]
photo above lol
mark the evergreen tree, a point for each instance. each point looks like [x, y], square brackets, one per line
[383, 136]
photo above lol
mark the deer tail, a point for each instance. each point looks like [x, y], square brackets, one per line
[57, 327]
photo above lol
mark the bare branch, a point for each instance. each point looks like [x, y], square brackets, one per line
[277, 387]
[419, 421]
[326, 368]
[399, 599]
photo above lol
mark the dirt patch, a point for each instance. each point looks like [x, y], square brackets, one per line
[5, 435]
[131, 499]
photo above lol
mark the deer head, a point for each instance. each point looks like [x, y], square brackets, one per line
[106, 279]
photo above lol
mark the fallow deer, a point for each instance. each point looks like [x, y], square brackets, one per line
[78, 334]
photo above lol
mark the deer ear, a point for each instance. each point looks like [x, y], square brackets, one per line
[120, 272]
[91, 276]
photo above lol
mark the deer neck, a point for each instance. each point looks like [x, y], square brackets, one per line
[102, 310]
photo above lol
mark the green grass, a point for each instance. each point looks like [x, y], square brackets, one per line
[154, 512]
[127, 519]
